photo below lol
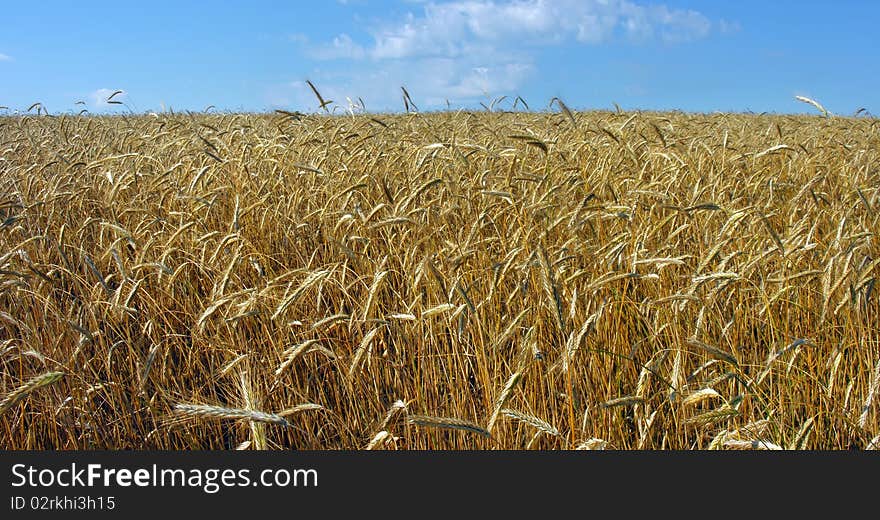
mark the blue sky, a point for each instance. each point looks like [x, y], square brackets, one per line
[255, 56]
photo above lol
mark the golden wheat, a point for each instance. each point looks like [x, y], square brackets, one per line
[636, 280]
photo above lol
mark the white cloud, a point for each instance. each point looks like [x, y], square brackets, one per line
[453, 29]
[299, 38]
[669, 25]
[342, 47]
[462, 83]
[5, 57]
[469, 50]
[101, 97]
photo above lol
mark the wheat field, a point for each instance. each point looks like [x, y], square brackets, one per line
[451, 280]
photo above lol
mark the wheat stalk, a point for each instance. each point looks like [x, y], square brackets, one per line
[503, 397]
[30, 386]
[448, 423]
[627, 400]
[531, 420]
[377, 440]
[221, 412]
[736, 444]
[873, 387]
[593, 444]
[813, 102]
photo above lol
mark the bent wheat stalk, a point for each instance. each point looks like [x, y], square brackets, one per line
[33, 384]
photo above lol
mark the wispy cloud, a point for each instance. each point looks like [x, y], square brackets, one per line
[456, 28]
[299, 38]
[5, 57]
[342, 47]
[468, 49]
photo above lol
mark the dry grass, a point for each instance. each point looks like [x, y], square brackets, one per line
[561, 280]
